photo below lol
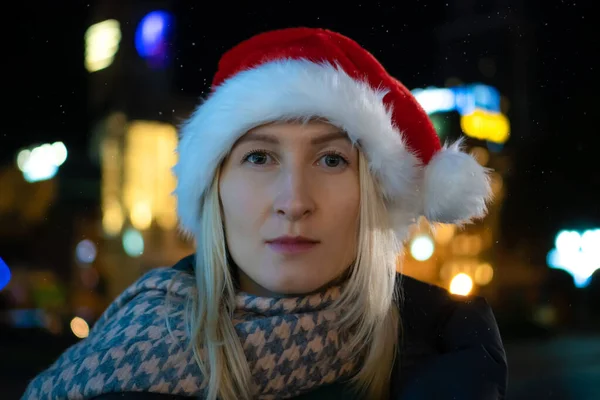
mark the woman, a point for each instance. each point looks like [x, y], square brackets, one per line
[298, 178]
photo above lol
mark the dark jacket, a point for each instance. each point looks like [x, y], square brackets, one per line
[450, 349]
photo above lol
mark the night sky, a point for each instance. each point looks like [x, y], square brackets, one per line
[555, 180]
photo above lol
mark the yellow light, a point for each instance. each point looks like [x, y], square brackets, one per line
[113, 218]
[148, 177]
[483, 274]
[80, 328]
[167, 219]
[113, 215]
[465, 244]
[484, 125]
[444, 233]
[461, 284]
[141, 215]
[481, 155]
[475, 243]
[496, 183]
[422, 248]
[101, 44]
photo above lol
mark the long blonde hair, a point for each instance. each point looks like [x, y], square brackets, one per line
[368, 300]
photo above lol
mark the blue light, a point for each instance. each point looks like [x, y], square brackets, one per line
[133, 243]
[576, 253]
[464, 99]
[152, 34]
[4, 274]
[471, 97]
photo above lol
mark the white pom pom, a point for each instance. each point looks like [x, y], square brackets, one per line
[456, 187]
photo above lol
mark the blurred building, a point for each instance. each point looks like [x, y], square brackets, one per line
[34, 258]
[484, 59]
[135, 137]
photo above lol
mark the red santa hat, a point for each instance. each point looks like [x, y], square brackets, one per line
[304, 73]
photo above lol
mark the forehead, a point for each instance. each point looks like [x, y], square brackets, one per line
[312, 132]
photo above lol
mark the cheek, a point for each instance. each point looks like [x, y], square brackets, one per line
[242, 205]
[342, 207]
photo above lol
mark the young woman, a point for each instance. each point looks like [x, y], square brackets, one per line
[298, 178]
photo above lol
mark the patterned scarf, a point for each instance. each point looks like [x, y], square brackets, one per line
[290, 345]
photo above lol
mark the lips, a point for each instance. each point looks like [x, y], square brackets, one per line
[291, 245]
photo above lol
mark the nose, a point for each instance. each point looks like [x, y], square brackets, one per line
[294, 200]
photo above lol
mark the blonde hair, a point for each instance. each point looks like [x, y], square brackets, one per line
[368, 300]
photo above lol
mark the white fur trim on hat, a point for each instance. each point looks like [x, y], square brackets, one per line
[302, 89]
[456, 187]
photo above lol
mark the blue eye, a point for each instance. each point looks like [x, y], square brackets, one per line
[257, 158]
[333, 160]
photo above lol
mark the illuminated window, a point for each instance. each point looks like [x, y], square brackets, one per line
[149, 181]
[112, 218]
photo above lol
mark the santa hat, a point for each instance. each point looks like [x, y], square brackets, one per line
[304, 73]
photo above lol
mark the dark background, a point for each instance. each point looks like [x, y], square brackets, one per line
[544, 52]
[555, 181]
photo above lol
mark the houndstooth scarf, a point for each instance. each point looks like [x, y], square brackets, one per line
[289, 344]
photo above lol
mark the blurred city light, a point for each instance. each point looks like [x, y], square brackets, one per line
[27, 318]
[133, 243]
[577, 253]
[86, 251]
[421, 248]
[141, 215]
[481, 155]
[444, 233]
[461, 284]
[152, 34]
[485, 125]
[41, 162]
[53, 323]
[113, 218]
[545, 315]
[440, 123]
[478, 105]
[4, 274]
[467, 245]
[101, 44]
[434, 100]
[484, 273]
[464, 99]
[137, 178]
[80, 327]
[470, 98]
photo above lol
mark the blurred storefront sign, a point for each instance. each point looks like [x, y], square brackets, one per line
[479, 107]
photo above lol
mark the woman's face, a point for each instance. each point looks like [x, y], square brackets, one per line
[290, 196]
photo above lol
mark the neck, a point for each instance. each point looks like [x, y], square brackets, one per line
[248, 285]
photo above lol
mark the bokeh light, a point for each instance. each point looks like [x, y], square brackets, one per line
[80, 327]
[86, 251]
[461, 284]
[152, 34]
[101, 44]
[4, 274]
[421, 248]
[133, 243]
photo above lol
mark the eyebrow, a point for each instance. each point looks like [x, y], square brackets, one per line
[262, 137]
